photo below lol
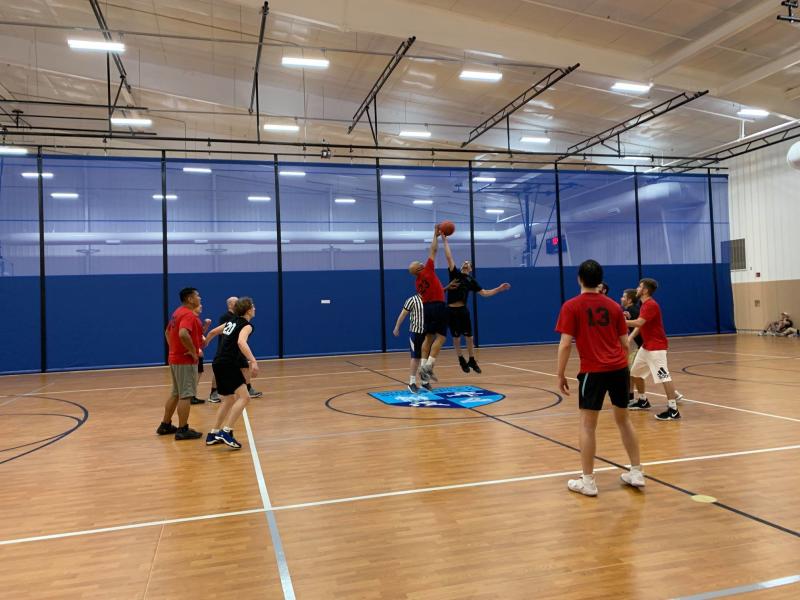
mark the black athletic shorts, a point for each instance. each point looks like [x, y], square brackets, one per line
[594, 386]
[229, 378]
[435, 317]
[460, 321]
[415, 341]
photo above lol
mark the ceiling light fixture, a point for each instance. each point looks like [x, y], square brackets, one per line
[534, 139]
[310, 63]
[415, 134]
[280, 127]
[423, 202]
[204, 170]
[259, 198]
[64, 195]
[13, 150]
[293, 173]
[482, 179]
[34, 175]
[392, 176]
[169, 197]
[638, 88]
[481, 75]
[495, 211]
[131, 122]
[98, 46]
[758, 113]
[345, 200]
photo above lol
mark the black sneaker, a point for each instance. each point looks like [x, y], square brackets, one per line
[412, 387]
[473, 365]
[185, 433]
[640, 404]
[671, 414]
[196, 400]
[464, 365]
[166, 429]
[427, 385]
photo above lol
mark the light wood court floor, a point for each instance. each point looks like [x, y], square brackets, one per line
[338, 495]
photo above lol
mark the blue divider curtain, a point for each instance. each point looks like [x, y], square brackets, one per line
[324, 250]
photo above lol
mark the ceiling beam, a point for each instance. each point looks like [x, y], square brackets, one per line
[775, 66]
[721, 33]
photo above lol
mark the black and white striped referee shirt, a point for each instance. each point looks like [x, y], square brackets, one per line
[417, 320]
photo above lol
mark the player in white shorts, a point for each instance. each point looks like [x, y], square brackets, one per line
[652, 356]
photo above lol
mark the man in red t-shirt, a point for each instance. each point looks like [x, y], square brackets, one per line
[597, 325]
[434, 309]
[652, 356]
[185, 339]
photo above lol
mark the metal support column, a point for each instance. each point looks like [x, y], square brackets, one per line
[713, 250]
[380, 253]
[164, 250]
[278, 239]
[560, 237]
[472, 252]
[638, 223]
[42, 271]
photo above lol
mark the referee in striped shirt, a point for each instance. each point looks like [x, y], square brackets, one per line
[416, 336]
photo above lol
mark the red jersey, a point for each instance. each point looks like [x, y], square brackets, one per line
[183, 318]
[428, 285]
[653, 334]
[596, 322]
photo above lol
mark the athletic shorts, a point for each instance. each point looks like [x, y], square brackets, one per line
[200, 365]
[184, 380]
[460, 321]
[229, 378]
[653, 362]
[415, 340]
[594, 386]
[435, 318]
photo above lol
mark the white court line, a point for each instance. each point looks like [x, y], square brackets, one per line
[744, 410]
[759, 355]
[277, 544]
[18, 396]
[269, 508]
[743, 589]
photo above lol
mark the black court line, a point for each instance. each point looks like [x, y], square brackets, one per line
[723, 362]
[79, 421]
[619, 466]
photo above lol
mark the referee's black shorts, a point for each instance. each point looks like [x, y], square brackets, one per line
[592, 388]
[435, 318]
[415, 340]
[460, 321]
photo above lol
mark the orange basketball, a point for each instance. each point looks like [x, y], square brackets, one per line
[447, 227]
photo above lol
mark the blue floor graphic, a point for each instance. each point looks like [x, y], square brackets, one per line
[462, 396]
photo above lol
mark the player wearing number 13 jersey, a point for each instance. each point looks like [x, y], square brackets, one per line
[597, 325]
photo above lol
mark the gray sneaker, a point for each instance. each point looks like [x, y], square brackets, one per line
[255, 393]
[214, 398]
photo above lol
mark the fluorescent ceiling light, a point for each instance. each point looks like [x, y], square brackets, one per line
[495, 211]
[113, 242]
[13, 150]
[423, 202]
[359, 241]
[313, 63]
[293, 173]
[415, 134]
[196, 170]
[533, 139]
[169, 197]
[481, 75]
[481, 179]
[201, 241]
[131, 122]
[635, 158]
[640, 88]
[392, 176]
[64, 195]
[759, 113]
[280, 127]
[345, 200]
[96, 45]
[259, 198]
[34, 175]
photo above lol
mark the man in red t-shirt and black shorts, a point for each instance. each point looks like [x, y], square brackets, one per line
[597, 325]
[652, 356]
[185, 338]
[432, 293]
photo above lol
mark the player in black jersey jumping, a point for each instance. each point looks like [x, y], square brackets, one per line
[461, 284]
[232, 352]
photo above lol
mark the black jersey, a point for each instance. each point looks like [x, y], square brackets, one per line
[466, 284]
[228, 350]
[633, 311]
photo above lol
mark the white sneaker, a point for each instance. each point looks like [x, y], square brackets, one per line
[678, 396]
[633, 478]
[581, 487]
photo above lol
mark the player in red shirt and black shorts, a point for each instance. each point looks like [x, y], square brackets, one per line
[431, 291]
[597, 325]
[652, 356]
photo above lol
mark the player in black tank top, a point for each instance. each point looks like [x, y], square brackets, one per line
[233, 349]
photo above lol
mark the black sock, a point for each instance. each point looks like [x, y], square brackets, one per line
[249, 387]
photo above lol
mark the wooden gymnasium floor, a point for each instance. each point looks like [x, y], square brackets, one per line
[374, 501]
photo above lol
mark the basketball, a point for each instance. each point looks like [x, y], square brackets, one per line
[447, 227]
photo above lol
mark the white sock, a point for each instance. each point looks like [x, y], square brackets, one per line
[214, 431]
[636, 468]
[227, 429]
[412, 379]
[431, 361]
[588, 479]
[642, 397]
[672, 404]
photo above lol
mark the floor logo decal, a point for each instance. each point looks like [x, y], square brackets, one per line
[462, 396]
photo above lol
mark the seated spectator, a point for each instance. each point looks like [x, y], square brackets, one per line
[782, 327]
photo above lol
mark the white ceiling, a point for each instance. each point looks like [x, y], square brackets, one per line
[201, 88]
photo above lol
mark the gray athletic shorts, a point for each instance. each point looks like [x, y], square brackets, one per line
[184, 380]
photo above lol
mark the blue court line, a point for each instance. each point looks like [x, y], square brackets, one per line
[743, 589]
